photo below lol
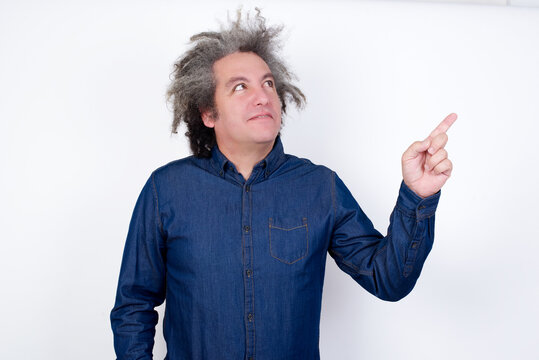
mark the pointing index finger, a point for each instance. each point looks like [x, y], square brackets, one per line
[444, 125]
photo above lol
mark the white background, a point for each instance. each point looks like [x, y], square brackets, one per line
[84, 122]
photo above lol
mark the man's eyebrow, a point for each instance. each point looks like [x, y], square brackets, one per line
[267, 75]
[234, 79]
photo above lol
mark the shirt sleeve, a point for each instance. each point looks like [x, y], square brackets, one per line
[141, 285]
[388, 267]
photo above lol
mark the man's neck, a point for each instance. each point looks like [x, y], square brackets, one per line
[245, 158]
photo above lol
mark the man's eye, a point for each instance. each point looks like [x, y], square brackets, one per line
[269, 83]
[239, 87]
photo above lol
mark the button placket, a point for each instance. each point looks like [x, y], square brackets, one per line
[247, 241]
[411, 253]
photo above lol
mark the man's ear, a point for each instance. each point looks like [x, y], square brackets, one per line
[208, 118]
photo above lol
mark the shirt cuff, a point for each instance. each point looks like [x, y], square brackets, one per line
[413, 205]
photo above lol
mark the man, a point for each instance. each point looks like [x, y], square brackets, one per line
[235, 237]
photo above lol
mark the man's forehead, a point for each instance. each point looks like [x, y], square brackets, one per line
[240, 65]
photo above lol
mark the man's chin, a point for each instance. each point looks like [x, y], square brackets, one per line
[267, 139]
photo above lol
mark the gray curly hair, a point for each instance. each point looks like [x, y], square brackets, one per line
[193, 85]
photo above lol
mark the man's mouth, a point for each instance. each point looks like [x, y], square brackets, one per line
[261, 116]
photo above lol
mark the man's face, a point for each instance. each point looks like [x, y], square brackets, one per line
[248, 107]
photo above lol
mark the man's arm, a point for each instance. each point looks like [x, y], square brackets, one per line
[141, 286]
[388, 267]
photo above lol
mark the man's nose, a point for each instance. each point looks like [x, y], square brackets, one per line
[261, 97]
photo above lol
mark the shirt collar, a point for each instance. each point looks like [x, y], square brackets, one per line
[270, 163]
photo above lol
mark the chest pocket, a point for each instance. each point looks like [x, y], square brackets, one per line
[288, 244]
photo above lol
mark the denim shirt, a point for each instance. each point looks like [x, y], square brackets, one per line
[241, 263]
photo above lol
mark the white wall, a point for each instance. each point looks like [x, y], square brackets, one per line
[84, 122]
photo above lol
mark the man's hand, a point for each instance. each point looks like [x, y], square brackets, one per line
[425, 166]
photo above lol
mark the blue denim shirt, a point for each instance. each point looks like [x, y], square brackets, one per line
[241, 263]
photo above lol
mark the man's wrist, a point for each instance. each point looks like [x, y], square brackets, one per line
[414, 205]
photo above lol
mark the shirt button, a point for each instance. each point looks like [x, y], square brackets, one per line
[246, 228]
[415, 244]
[422, 207]
[250, 317]
[248, 188]
[249, 273]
